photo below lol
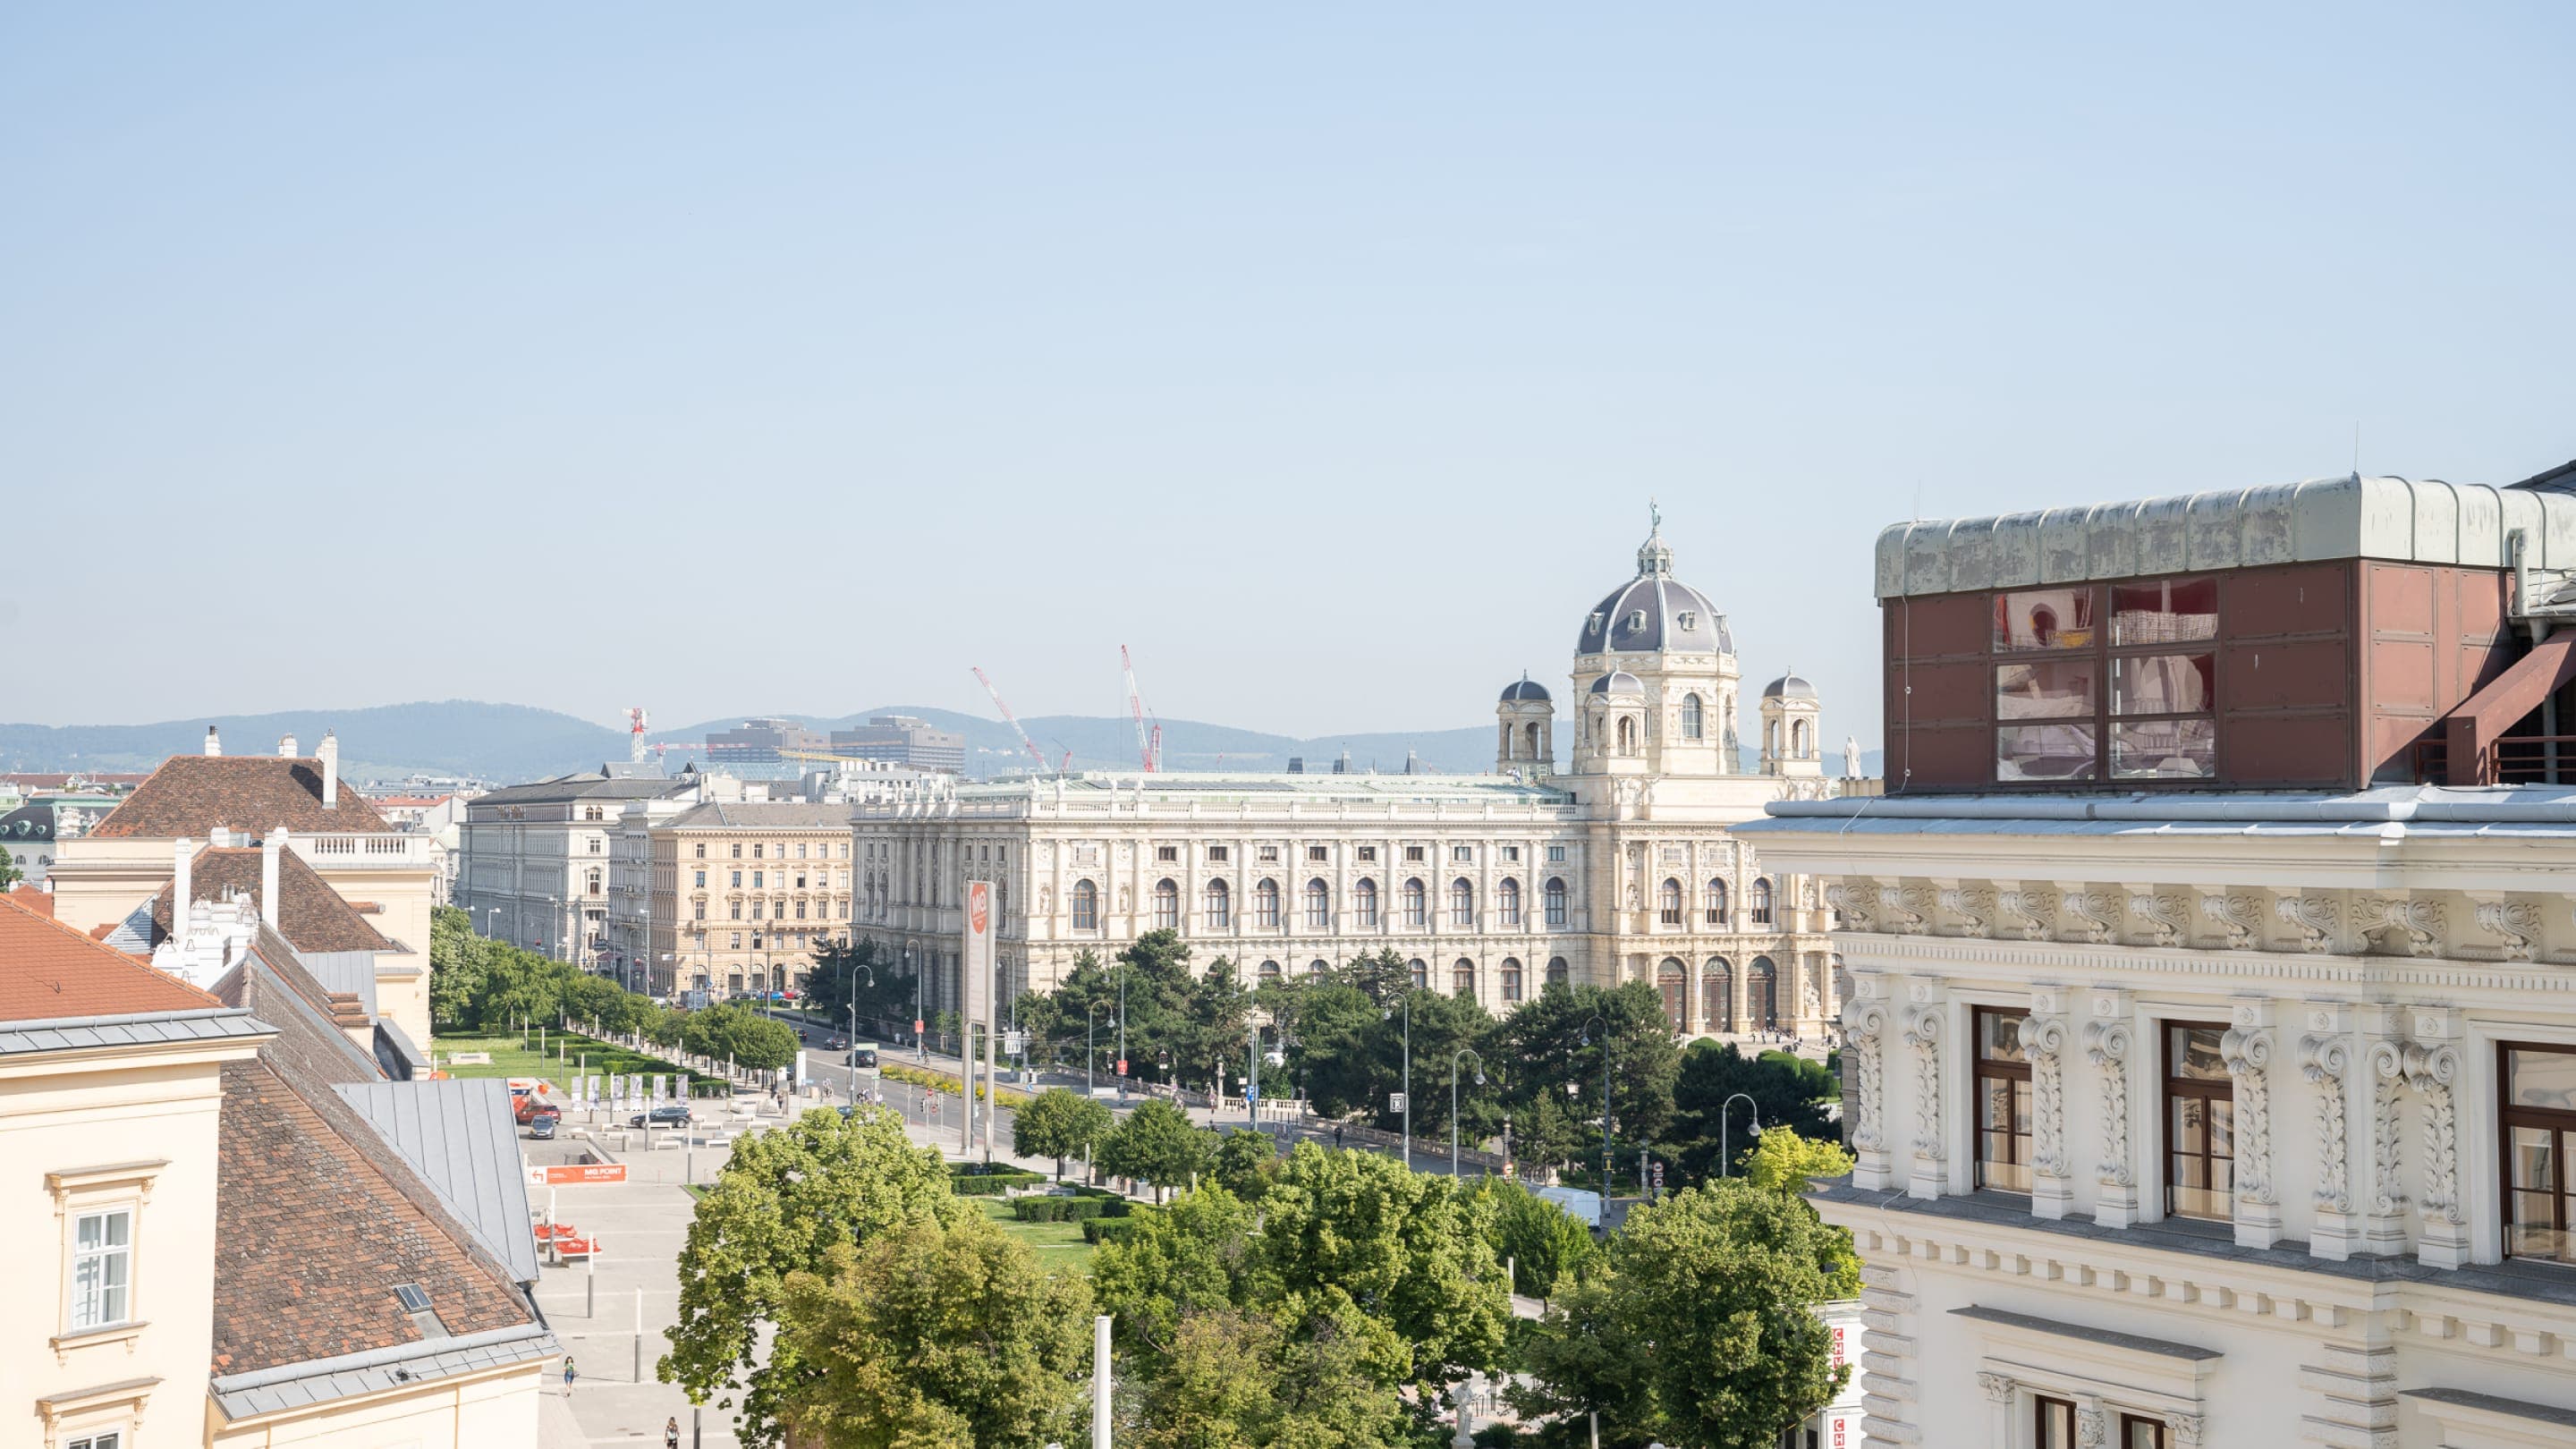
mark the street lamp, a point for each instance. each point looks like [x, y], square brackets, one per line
[1089, 1015]
[1407, 1158]
[1726, 1159]
[1122, 1033]
[1462, 1054]
[1605, 1101]
[853, 1058]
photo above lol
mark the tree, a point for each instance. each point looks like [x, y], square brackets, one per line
[1721, 1282]
[1243, 1162]
[1234, 1378]
[736, 1032]
[782, 1201]
[1542, 1243]
[1783, 1093]
[10, 874]
[1195, 1255]
[934, 1336]
[1058, 1123]
[458, 966]
[1786, 1161]
[1157, 1145]
[1555, 1043]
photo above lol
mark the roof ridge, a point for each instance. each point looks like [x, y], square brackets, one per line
[105, 952]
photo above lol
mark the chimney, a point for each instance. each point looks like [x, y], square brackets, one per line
[286, 747]
[181, 874]
[268, 875]
[330, 753]
[214, 743]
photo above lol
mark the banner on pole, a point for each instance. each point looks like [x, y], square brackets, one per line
[979, 952]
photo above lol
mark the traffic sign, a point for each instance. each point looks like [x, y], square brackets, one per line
[1122, 1066]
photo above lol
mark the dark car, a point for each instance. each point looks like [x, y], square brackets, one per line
[541, 1127]
[865, 1057]
[670, 1115]
[837, 1044]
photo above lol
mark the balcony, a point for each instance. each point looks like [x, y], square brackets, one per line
[363, 851]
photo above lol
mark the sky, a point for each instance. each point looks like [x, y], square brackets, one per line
[801, 357]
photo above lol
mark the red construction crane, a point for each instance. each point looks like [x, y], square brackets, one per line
[1013, 720]
[1148, 745]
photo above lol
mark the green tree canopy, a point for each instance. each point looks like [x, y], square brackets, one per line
[737, 1033]
[934, 1336]
[1059, 1123]
[1157, 1145]
[1541, 1243]
[1784, 1092]
[782, 1201]
[1554, 1048]
[10, 874]
[1234, 1378]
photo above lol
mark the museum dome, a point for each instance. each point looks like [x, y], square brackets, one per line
[1524, 690]
[1655, 612]
[1789, 686]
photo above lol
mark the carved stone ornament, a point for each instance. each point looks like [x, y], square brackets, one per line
[2518, 922]
[1904, 906]
[2029, 912]
[1998, 1388]
[1975, 909]
[2090, 1426]
[2164, 914]
[2413, 925]
[1868, 1022]
[1856, 904]
[1923, 1034]
[2323, 1061]
[2431, 1071]
[2106, 1044]
[2099, 911]
[2043, 1038]
[2249, 1056]
[2186, 1428]
[2314, 916]
[2387, 1154]
[2239, 916]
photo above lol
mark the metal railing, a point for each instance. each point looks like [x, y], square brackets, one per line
[2510, 760]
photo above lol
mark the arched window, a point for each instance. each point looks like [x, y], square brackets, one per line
[1421, 974]
[1167, 906]
[1555, 895]
[1462, 902]
[1716, 902]
[590, 880]
[1530, 733]
[1673, 984]
[1269, 971]
[1319, 906]
[1802, 739]
[1086, 906]
[1511, 979]
[1462, 978]
[1265, 905]
[1760, 902]
[1668, 903]
[1690, 717]
[1557, 975]
[1762, 995]
[1417, 908]
[1627, 735]
[1219, 904]
[1317, 967]
[1507, 900]
[1717, 996]
[1364, 903]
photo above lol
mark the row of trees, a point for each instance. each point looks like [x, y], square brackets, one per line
[480, 985]
[1327, 1298]
[1341, 1037]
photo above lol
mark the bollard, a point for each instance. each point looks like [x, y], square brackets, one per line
[1100, 1385]
[639, 1335]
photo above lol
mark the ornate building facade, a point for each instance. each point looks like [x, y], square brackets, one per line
[2212, 1033]
[1621, 868]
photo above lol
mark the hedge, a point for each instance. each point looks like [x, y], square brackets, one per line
[1107, 1230]
[947, 1082]
[1059, 1209]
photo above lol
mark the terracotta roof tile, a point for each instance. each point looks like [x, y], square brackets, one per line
[34, 898]
[190, 795]
[310, 915]
[49, 970]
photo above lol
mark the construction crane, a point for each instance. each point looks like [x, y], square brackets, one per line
[1011, 719]
[1149, 744]
[635, 734]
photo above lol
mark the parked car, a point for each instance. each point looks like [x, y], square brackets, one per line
[865, 1057]
[541, 1128]
[671, 1114]
[837, 1044]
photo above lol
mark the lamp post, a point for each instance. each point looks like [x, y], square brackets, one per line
[1462, 1054]
[1122, 1033]
[1407, 1092]
[1089, 1016]
[1605, 1100]
[851, 1061]
[1726, 1159]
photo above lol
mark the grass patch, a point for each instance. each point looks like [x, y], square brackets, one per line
[1055, 1245]
[514, 1057]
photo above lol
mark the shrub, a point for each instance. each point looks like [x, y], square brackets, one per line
[1038, 1209]
[1079, 1209]
[1107, 1230]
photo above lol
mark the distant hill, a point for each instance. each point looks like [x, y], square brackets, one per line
[510, 743]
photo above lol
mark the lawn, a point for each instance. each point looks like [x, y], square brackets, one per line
[513, 1058]
[1057, 1245]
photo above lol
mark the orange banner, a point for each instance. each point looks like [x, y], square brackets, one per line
[577, 1172]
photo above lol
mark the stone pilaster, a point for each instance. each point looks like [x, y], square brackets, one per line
[2326, 1060]
[1867, 1017]
[1890, 1399]
[2108, 1043]
[2247, 1048]
[2043, 1044]
[2433, 1073]
[2352, 1397]
[2378, 1175]
[1927, 1021]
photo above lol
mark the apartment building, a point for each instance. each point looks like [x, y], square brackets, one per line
[901, 739]
[732, 895]
[535, 860]
[2212, 1014]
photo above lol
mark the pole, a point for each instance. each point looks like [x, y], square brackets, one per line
[992, 1092]
[1252, 1089]
[1407, 1158]
[1122, 1035]
[1100, 1383]
[639, 1335]
[590, 1284]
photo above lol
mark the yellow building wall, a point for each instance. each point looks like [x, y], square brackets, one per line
[495, 1409]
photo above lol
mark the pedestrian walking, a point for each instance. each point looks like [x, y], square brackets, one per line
[1337, 1137]
[569, 1375]
[671, 1433]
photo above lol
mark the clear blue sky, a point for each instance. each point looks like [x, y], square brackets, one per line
[799, 357]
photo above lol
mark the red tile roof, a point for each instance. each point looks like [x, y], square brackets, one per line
[49, 970]
[310, 915]
[191, 795]
[34, 898]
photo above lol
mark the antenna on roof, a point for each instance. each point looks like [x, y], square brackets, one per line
[2356, 450]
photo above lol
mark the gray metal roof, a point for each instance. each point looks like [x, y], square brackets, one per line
[2382, 812]
[1524, 688]
[399, 1056]
[584, 787]
[1655, 612]
[348, 1376]
[760, 815]
[459, 1136]
[351, 971]
[1618, 681]
[88, 1033]
[1789, 686]
[1213, 788]
[2323, 518]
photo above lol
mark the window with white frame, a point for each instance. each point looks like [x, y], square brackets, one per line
[102, 1269]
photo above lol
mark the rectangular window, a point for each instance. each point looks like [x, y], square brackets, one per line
[1511, 854]
[1167, 852]
[737, 880]
[800, 850]
[701, 910]
[1462, 854]
[2122, 703]
[2200, 1122]
[2003, 1102]
[1555, 854]
[737, 910]
[1368, 853]
[702, 852]
[2539, 1129]
[737, 941]
[113, 1439]
[702, 880]
[2053, 1423]
[102, 1268]
[737, 850]
[2137, 1431]
[1217, 854]
[755, 851]
[1413, 853]
[1318, 854]
[1269, 852]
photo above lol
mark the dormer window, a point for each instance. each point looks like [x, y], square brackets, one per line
[1689, 620]
[1636, 618]
[1595, 626]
